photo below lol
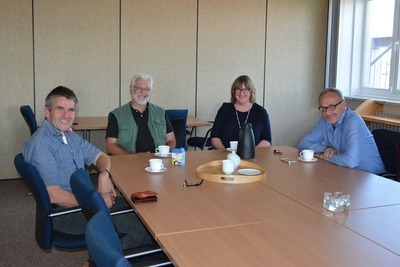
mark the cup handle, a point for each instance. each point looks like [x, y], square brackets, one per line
[162, 165]
[301, 154]
[157, 150]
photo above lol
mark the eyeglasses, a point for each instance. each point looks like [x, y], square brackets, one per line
[331, 107]
[244, 90]
[144, 89]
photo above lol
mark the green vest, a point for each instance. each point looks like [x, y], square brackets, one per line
[128, 129]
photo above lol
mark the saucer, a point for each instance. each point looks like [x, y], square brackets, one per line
[163, 156]
[249, 171]
[311, 160]
[147, 169]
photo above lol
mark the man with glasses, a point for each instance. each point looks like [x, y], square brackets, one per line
[138, 126]
[341, 136]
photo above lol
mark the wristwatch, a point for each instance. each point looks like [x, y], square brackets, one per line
[104, 171]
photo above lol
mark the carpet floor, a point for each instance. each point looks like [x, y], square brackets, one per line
[17, 236]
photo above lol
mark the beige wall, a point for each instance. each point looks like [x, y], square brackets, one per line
[296, 44]
[16, 79]
[193, 48]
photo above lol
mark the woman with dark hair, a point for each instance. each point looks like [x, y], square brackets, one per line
[242, 109]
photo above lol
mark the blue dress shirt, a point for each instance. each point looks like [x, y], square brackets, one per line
[55, 159]
[351, 138]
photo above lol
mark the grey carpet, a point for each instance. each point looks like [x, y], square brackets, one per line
[17, 236]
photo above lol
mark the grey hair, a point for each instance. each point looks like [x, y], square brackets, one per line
[144, 76]
[60, 91]
[333, 90]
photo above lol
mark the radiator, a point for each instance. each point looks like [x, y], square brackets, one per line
[374, 125]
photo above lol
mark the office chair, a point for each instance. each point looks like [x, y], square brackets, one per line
[398, 162]
[29, 117]
[178, 119]
[92, 203]
[387, 142]
[46, 236]
[200, 142]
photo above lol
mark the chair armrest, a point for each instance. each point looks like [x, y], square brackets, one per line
[391, 176]
[141, 251]
[121, 211]
[60, 211]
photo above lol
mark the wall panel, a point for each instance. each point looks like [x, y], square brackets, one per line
[296, 43]
[77, 45]
[16, 79]
[231, 43]
[159, 38]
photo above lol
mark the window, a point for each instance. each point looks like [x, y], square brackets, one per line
[366, 57]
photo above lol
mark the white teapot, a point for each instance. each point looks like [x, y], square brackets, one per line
[234, 157]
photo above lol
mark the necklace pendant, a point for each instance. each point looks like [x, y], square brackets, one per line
[237, 117]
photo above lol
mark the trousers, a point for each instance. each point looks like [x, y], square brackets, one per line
[128, 225]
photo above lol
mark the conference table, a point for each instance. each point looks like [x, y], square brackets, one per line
[88, 124]
[278, 220]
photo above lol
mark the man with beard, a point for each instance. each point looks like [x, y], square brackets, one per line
[138, 126]
[341, 136]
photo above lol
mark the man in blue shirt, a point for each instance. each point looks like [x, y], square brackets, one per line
[56, 152]
[341, 136]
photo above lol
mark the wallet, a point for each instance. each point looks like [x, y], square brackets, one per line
[144, 196]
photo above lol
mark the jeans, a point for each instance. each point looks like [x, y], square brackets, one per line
[128, 224]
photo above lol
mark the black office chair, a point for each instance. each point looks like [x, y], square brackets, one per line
[178, 119]
[29, 117]
[387, 142]
[200, 142]
[398, 162]
[92, 203]
[46, 236]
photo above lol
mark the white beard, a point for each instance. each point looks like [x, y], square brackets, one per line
[140, 101]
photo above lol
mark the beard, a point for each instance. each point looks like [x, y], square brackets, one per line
[141, 99]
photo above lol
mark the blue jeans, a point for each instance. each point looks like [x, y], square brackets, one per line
[128, 224]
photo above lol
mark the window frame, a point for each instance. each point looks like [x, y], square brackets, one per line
[344, 67]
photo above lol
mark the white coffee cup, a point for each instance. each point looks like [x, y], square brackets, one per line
[233, 145]
[228, 166]
[307, 154]
[162, 150]
[156, 164]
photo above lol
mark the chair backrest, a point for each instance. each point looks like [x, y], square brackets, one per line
[29, 117]
[386, 141]
[180, 135]
[43, 224]
[398, 161]
[45, 236]
[178, 119]
[103, 243]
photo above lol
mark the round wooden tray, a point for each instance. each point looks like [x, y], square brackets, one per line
[212, 171]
